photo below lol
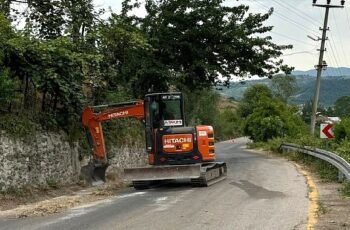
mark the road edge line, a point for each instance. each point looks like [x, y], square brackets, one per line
[313, 198]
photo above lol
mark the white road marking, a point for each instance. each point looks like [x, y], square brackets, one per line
[131, 195]
[84, 209]
[164, 203]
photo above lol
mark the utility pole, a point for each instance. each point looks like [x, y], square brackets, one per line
[321, 63]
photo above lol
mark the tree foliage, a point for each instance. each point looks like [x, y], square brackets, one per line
[202, 40]
[284, 86]
[251, 98]
[67, 56]
[342, 107]
[342, 130]
[265, 117]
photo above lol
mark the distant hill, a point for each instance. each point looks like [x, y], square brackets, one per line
[329, 72]
[331, 88]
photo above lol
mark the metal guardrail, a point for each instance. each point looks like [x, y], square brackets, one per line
[342, 165]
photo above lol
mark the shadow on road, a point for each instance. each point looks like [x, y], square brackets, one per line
[256, 191]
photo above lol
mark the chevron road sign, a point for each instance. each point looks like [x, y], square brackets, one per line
[326, 131]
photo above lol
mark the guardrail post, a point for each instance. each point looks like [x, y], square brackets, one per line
[340, 176]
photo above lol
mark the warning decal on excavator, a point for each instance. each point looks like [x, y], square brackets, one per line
[202, 133]
[172, 122]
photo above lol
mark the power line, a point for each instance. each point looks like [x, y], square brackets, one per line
[331, 48]
[334, 52]
[285, 36]
[287, 19]
[332, 57]
[340, 41]
[300, 52]
[305, 15]
[347, 17]
[334, 48]
[291, 8]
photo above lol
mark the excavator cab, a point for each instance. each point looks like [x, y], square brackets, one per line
[162, 110]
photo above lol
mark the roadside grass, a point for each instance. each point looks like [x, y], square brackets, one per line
[321, 209]
[345, 189]
[326, 171]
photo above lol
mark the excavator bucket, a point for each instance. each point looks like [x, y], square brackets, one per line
[94, 174]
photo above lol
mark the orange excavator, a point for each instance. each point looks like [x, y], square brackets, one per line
[174, 151]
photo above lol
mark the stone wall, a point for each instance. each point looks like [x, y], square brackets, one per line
[126, 156]
[50, 159]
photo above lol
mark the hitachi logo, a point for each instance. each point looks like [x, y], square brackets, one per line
[177, 140]
[118, 114]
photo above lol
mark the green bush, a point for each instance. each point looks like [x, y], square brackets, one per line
[343, 150]
[227, 125]
[265, 117]
[271, 119]
[342, 130]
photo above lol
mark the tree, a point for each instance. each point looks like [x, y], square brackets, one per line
[251, 98]
[127, 60]
[342, 130]
[265, 117]
[342, 106]
[283, 86]
[5, 7]
[8, 92]
[47, 18]
[198, 41]
[8, 85]
[306, 112]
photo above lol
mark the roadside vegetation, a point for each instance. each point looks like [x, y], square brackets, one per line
[56, 57]
[269, 121]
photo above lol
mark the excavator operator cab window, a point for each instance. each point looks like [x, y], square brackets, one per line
[162, 111]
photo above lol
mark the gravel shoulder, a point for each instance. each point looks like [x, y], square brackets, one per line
[334, 208]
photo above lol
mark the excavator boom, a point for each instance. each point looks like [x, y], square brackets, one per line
[92, 120]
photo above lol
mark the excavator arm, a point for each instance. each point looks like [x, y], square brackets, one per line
[92, 122]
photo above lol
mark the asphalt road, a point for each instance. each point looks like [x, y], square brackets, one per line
[259, 193]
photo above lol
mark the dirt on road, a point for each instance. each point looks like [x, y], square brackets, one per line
[40, 202]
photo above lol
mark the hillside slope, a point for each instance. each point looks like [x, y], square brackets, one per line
[331, 89]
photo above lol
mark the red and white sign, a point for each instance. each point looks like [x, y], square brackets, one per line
[326, 131]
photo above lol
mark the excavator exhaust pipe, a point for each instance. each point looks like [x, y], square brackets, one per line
[94, 174]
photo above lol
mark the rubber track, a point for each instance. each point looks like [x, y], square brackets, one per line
[204, 180]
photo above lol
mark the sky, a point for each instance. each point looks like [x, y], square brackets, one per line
[293, 21]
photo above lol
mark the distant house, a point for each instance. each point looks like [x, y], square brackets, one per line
[328, 120]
